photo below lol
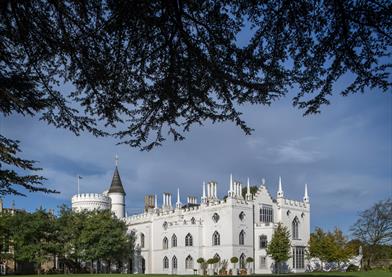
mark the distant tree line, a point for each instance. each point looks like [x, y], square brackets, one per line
[76, 240]
[372, 231]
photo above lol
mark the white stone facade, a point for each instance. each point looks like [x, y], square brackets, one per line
[171, 239]
[90, 201]
[112, 199]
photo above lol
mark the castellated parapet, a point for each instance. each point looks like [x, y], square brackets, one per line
[90, 202]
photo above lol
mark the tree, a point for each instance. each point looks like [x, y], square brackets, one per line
[374, 227]
[104, 237]
[9, 178]
[341, 251]
[280, 246]
[203, 265]
[151, 70]
[234, 261]
[5, 238]
[249, 260]
[253, 190]
[329, 246]
[71, 225]
[33, 237]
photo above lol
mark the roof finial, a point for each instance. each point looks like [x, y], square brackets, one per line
[306, 196]
[178, 203]
[116, 159]
[280, 190]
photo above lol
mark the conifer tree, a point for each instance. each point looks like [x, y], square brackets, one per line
[279, 246]
[150, 70]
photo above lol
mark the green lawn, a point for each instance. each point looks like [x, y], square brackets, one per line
[327, 274]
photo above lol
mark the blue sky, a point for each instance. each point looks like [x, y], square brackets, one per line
[343, 154]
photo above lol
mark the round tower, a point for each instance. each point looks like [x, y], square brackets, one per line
[117, 194]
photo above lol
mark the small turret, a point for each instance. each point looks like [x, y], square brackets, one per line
[178, 203]
[204, 198]
[248, 194]
[117, 194]
[231, 191]
[306, 196]
[280, 193]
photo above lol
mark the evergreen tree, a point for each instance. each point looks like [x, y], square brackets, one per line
[152, 69]
[279, 247]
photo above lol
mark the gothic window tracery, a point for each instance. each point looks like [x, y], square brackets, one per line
[165, 243]
[242, 238]
[165, 263]
[242, 260]
[188, 240]
[174, 240]
[266, 214]
[189, 262]
[174, 262]
[242, 216]
[216, 238]
[294, 228]
[142, 240]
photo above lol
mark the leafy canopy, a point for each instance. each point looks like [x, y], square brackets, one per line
[148, 70]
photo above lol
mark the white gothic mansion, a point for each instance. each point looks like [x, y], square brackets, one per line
[170, 238]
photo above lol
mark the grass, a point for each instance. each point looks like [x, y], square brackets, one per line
[318, 274]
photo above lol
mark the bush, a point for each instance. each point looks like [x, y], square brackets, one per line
[390, 268]
[352, 268]
[200, 260]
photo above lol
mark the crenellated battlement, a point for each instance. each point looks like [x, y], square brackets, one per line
[90, 197]
[294, 203]
[91, 201]
[164, 213]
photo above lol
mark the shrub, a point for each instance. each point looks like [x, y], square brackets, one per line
[200, 260]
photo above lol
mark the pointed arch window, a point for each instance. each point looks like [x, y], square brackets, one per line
[193, 220]
[241, 216]
[241, 238]
[294, 228]
[216, 238]
[165, 243]
[142, 239]
[189, 262]
[174, 240]
[216, 256]
[174, 262]
[242, 261]
[165, 263]
[188, 240]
